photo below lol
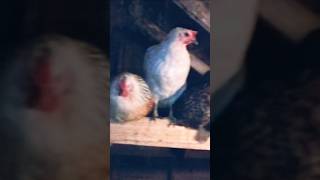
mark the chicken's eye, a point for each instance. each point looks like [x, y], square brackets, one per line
[186, 34]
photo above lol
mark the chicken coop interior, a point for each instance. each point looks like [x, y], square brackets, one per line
[146, 149]
[266, 82]
[142, 149]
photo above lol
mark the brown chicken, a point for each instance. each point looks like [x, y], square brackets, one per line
[130, 98]
[53, 112]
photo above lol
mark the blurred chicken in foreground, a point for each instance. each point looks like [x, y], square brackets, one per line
[192, 109]
[53, 112]
[167, 66]
[130, 98]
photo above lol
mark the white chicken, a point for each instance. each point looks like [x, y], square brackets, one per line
[53, 104]
[167, 66]
[130, 98]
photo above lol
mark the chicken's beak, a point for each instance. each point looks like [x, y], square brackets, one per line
[194, 34]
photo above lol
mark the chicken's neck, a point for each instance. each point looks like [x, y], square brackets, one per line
[174, 47]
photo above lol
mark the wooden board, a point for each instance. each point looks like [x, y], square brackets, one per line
[155, 152]
[199, 10]
[156, 133]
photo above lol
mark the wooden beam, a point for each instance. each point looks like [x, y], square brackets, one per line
[155, 152]
[156, 133]
[198, 10]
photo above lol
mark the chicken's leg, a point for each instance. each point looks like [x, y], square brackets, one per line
[173, 120]
[155, 111]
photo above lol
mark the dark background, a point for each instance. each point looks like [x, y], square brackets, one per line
[22, 20]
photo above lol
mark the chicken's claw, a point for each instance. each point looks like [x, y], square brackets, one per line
[173, 120]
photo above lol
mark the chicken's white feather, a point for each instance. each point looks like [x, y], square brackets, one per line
[167, 66]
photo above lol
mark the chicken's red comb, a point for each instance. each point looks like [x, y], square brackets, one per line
[47, 100]
[194, 33]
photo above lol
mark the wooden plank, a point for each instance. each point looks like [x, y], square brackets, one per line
[155, 32]
[198, 10]
[154, 152]
[156, 133]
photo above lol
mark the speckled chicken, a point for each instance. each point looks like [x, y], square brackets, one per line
[192, 109]
[53, 112]
[167, 66]
[130, 98]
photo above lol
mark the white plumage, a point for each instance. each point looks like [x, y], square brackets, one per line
[54, 97]
[167, 66]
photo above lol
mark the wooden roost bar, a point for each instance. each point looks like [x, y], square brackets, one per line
[136, 25]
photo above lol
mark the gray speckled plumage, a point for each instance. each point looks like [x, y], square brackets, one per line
[272, 132]
[192, 109]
